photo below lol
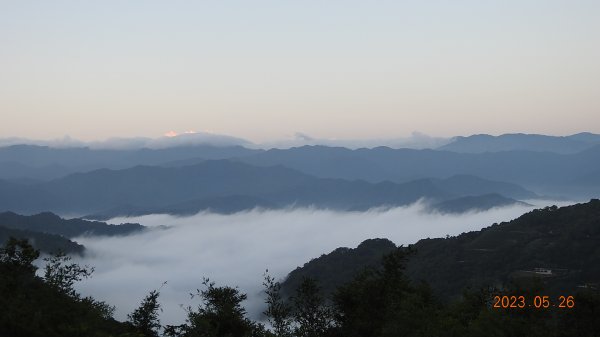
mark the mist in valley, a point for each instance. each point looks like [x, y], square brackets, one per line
[236, 249]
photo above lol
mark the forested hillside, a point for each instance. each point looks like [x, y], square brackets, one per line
[379, 301]
[50, 233]
[564, 240]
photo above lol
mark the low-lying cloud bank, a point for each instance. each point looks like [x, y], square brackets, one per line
[416, 140]
[236, 249]
[170, 139]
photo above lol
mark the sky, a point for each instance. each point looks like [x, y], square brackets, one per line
[268, 70]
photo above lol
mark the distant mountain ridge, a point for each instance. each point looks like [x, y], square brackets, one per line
[53, 224]
[543, 172]
[475, 203]
[227, 186]
[47, 243]
[50, 233]
[558, 166]
[469, 185]
[100, 182]
[223, 205]
[523, 142]
[43, 162]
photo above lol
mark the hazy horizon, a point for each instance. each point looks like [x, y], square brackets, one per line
[416, 140]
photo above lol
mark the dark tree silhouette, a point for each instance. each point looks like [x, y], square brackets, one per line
[312, 316]
[145, 319]
[278, 311]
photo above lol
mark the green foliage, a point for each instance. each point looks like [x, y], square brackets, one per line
[564, 239]
[379, 301]
[33, 308]
[278, 311]
[62, 275]
[382, 302]
[312, 316]
[19, 255]
[583, 319]
[220, 314]
[145, 318]
[338, 267]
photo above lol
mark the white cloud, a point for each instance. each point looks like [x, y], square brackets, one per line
[416, 140]
[236, 249]
[64, 142]
[170, 139]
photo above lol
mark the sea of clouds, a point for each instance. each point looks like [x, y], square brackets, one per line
[236, 249]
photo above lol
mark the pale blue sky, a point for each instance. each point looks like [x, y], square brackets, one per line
[263, 70]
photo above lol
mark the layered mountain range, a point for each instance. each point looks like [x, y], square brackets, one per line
[469, 173]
